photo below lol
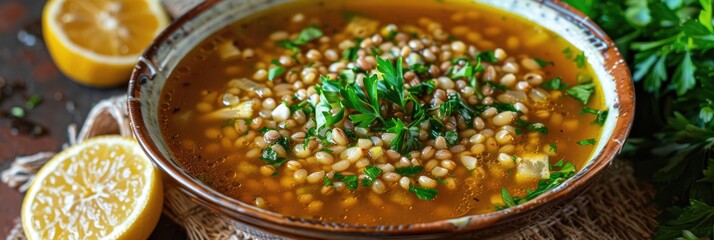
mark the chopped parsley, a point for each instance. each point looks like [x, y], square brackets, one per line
[409, 171]
[274, 72]
[543, 63]
[270, 157]
[350, 182]
[600, 115]
[585, 142]
[582, 92]
[554, 84]
[496, 85]
[566, 171]
[407, 136]
[327, 180]
[580, 60]
[350, 53]
[536, 127]
[308, 34]
[424, 193]
[372, 173]
[451, 137]
[423, 88]
[454, 104]
[488, 56]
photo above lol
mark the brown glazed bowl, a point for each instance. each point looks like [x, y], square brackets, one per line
[168, 49]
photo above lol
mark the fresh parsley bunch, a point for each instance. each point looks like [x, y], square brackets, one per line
[669, 44]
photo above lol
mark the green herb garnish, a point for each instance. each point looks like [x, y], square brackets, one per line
[424, 193]
[451, 137]
[350, 182]
[306, 35]
[566, 171]
[600, 115]
[582, 92]
[275, 72]
[554, 84]
[580, 60]
[488, 56]
[409, 171]
[543, 63]
[407, 136]
[270, 157]
[585, 142]
[372, 173]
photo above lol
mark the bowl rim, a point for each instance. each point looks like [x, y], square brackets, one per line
[614, 62]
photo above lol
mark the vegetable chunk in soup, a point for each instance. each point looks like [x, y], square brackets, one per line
[343, 111]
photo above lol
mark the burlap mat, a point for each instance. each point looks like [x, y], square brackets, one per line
[616, 207]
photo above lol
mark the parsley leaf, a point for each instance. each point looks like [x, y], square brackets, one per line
[488, 56]
[392, 87]
[366, 104]
[600, 115]
[454, 104]
[697, 218]
[582, 92]
[328, 181]
[580, 60]
[451, 137]
[407, 136]
[585, 142]
[543, 63]
[323, 110]
[372, 173]
[308, 34]
[554, 84]
[424, 193]
[350, 182]
[507, 198]
[275, 72]
[409, 171]
[270, 157]
[350, 53]
[566, 171]
[423, 88]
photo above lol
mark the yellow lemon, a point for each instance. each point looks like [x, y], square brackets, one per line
[97, 42]
[103, 188]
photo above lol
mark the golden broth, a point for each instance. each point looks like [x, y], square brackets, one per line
[223, 156]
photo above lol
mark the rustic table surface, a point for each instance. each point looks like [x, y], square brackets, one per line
[24, 60]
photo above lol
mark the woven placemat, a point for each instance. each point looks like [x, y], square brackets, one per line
[617, 206]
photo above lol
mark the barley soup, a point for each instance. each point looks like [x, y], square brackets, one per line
[342, 111]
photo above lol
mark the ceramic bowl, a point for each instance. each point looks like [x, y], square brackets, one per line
[178, 39]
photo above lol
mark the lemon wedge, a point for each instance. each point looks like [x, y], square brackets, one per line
[97, 42]
[103, 188]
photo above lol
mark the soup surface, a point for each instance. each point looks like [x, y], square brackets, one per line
[343, 111]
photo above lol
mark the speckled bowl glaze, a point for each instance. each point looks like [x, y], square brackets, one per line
[168, 49]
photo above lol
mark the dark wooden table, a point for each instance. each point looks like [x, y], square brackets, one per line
[24, 58]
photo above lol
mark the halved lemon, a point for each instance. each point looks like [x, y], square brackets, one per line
[103, 188]
[97, 42]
